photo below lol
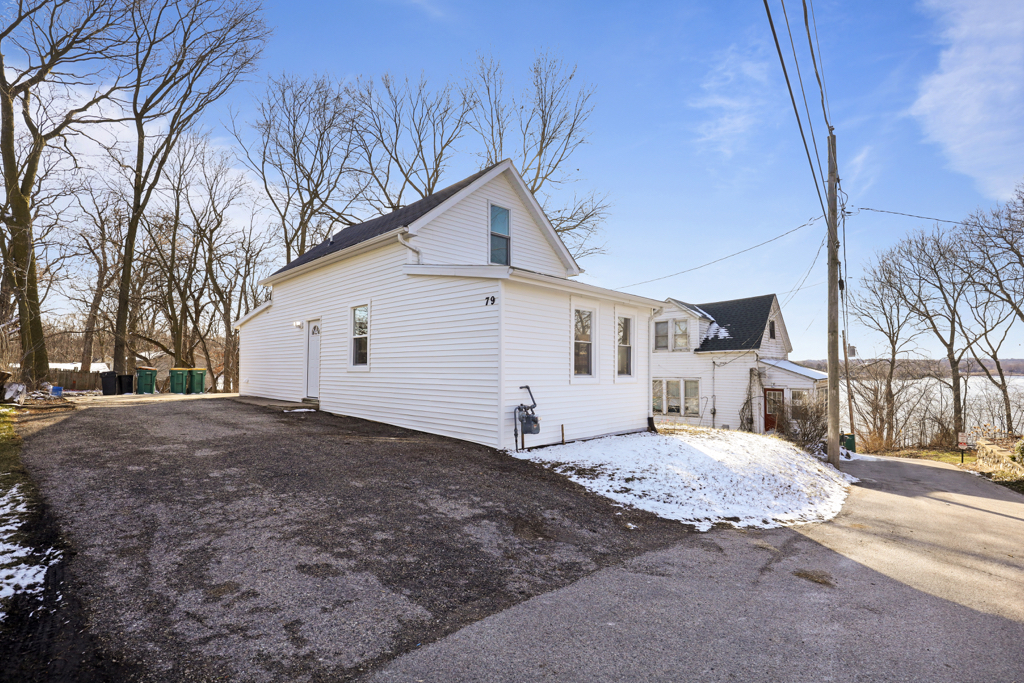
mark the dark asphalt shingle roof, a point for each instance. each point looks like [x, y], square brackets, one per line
[375, 227]
[745, 320]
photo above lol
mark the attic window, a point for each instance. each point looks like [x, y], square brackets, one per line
[499, 235]
[771, 329]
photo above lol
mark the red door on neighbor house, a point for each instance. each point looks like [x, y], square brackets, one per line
[772, 408]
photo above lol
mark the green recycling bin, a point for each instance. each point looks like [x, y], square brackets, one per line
[196, 380]
[145, 382]
[850, 443]
[179, 380]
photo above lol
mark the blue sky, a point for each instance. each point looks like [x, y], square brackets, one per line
[693, 136]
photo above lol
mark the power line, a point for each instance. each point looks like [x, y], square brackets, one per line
[709, 263]
[825, 109]
[802, 280]
[803, 93]
[796, 111]
[910, 215]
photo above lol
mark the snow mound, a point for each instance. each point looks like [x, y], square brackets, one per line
[704, 476]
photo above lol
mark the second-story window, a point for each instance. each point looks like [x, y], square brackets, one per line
[681, 338]
[661, 335]
[771, 329]
[500, 235]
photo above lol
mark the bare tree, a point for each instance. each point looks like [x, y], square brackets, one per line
[188, 54]
[879, 307]
[987, 323]
[99, 238]
[929, 278]
[51, 52]
[406, 134]
[541, 130]
[305, 156]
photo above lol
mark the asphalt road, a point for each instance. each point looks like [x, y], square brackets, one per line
[921, 578]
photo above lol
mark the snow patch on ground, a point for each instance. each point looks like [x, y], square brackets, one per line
[704, 476]
[22, 569]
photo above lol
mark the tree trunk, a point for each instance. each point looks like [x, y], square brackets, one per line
[958, 414]
[90, 325]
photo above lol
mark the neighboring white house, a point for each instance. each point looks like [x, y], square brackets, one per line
[434, 316]
[725, 364]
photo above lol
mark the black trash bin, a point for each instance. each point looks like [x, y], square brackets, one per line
[109, 381]
[126, 384]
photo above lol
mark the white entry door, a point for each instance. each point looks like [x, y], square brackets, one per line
[313, 359]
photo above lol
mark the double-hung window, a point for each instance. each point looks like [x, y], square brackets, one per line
[625, 358]
[361, 335]
[500, 235]
[681, 338]
[661, 336]
[583, 343]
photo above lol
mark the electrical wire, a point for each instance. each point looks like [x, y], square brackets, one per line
[803, 93]
[909, 215]
[709, 263]
[789, 86]
[825, 109]
[799, 284]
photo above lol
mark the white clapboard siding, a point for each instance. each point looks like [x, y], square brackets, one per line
[461, 234]
[537, 351]
[433, 359]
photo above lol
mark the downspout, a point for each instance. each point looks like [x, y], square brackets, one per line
[401, 240]
[713, 393]
[655, 312]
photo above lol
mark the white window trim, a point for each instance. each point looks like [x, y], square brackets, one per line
[634, 357]
[654, 335]
[595, 341]
[672, 334]
[487, 253]
[682, 396]
[350, 329]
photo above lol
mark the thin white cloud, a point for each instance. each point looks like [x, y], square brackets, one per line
[735, 95]
[973, 104]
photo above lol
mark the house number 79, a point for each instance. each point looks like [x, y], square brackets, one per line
[489, 301]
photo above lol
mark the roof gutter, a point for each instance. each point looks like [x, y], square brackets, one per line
[354, 250]
[552, 282]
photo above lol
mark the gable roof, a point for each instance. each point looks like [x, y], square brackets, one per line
[736, 325]
[424, 210]
[354, 234]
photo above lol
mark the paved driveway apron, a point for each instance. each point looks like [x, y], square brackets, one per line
[921, 578]
[217, 540]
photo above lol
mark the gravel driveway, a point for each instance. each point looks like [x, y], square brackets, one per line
[217, 540]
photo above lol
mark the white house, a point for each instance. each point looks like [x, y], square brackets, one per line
[725, 364]
[434, 316]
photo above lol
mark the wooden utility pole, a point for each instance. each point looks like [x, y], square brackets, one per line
[833, 306]
[849, 389]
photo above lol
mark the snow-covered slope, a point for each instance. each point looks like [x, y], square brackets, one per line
[704, 476]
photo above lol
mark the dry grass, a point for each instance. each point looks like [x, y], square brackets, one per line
[949, 457]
